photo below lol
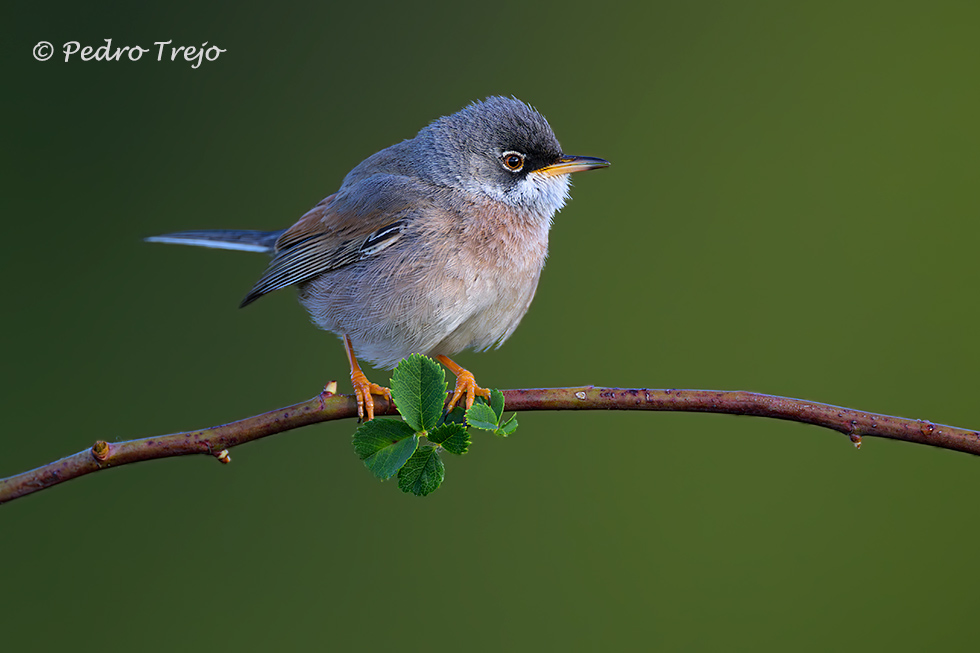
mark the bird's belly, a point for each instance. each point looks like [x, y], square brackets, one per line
[440, 303]
[488, 315]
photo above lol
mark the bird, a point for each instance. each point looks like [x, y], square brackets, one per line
[433, 245]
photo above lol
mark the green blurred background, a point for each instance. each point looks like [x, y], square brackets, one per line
[792, 209]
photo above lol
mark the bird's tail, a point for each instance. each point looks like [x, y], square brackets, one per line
[240, 239]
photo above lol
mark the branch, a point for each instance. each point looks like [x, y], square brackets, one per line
[327, 406]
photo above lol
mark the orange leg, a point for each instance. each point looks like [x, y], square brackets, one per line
[363, 388]
[465, 384]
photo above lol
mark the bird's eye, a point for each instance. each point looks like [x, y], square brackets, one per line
[513, 161]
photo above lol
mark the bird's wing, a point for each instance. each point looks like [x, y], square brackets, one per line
[337, 232]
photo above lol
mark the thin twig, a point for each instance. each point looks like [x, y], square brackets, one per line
[327, 406]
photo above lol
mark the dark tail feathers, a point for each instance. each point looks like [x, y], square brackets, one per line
[240, 239]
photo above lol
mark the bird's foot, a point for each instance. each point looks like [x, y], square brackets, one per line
[363, 389]
[465, 385]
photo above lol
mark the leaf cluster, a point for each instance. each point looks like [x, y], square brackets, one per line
[411, 448]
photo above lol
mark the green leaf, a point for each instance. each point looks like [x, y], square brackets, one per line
[423, 472]
[507, 427]
[418, 387]
[384, 445]
[497, 403]
[481, 416]
[456, 416]
[454, 438]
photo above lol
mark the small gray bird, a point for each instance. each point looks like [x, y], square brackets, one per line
[433, 245]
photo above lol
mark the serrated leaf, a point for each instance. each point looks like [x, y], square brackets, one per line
[454, 438]
[497, 403]
[423, 472]
[507, 427]
[385, 445]
[481, 416]
[418, 386]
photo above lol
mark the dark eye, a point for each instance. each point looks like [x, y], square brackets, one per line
[513, 161]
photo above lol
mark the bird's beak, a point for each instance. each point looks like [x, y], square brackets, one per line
[568, 164]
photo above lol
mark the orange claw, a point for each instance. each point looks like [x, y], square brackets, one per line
[465, 384]
[363, 389]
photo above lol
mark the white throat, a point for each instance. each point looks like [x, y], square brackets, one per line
[540, 194]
